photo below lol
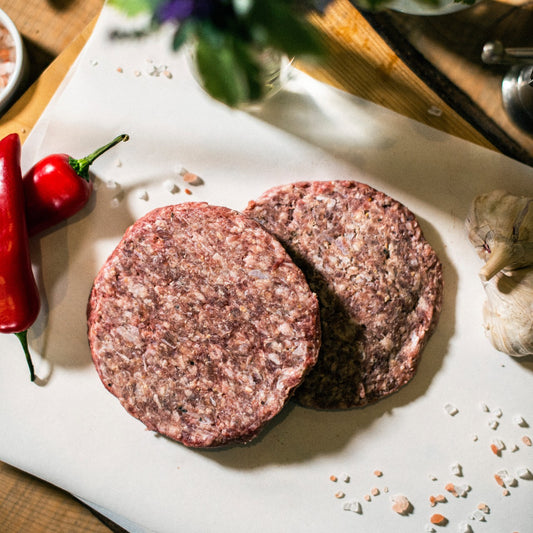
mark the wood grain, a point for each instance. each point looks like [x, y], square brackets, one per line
[33, 506]
[362, 63]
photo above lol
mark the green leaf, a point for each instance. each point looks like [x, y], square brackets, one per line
[220, 72]
[185, 31]
[285, 28]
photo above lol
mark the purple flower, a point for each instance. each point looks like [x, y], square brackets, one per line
[178, 10]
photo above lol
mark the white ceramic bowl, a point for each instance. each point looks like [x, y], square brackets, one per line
[8, 92]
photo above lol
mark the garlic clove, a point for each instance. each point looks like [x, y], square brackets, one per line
[508, 312]
[500, 226]
[501, 255]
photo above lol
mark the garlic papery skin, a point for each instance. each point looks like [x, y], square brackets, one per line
[500, 226]
[508, 311]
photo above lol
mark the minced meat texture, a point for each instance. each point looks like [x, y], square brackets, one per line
[378, 281]
[201, 325]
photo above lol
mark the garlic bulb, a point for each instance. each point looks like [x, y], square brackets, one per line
[500, 225]
[508, 311]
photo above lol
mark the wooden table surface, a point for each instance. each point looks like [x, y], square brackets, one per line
[362, 62]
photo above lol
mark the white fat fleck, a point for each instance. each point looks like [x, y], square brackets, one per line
[274, 357]
[285, 329]
[259, 274]
[129, 334]
[156, 400]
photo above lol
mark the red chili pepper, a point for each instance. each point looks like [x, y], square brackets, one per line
[19, 296]
[58, 186]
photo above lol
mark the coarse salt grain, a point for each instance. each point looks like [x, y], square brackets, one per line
[374, 491]
[497, 446]
[400, 504]
[367, 497]
[519, 421]
[451, 409]
[353, 506]
[456, 469]
[450, 487]
[493, 424]
[190, 178]
[462, 490]
[438, 519]
[506, 478]
[484, 407]
[429, 528]
[483, 507]
[479, 516]
[115, 202]
[524, 473]
[499, 480]
[435, 111]
[142, 195]
[170, 186]
[498, 413]
[464, 527]
[110, 184]
[345, 477]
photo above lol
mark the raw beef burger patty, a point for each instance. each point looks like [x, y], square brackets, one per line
[378, 281]
[201, 325]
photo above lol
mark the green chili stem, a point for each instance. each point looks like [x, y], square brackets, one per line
[81, 166]
[23, 338]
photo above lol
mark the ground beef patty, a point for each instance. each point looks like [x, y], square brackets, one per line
[378, 281]
[201, 325]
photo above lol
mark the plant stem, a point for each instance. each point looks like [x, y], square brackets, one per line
[23, 338]
[81, 166]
